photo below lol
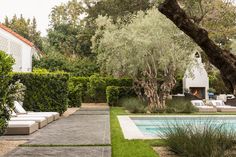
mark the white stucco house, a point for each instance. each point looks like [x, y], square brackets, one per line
[20, 48]
[196, 79]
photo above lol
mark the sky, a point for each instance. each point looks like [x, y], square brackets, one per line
[40, 9]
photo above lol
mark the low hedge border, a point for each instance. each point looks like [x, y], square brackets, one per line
[115, 93]
[94, 87]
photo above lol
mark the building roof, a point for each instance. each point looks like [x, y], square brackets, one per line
[16, 35]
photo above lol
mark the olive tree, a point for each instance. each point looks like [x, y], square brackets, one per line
[148, 49]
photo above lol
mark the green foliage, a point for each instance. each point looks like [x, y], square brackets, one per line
[94, 87]
[115, 93]
[26, 28]
[216, 82]
[6, 63]
[134, 105]
[83, 82]
[112, 95]
[194, 141]
[127, 148]
[75, 95]
[45, 92]
[77, 66]
[180, 105]
[97, 88]
[149, 58]
[117, 8]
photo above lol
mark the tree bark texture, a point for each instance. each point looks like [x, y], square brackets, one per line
[222, 59]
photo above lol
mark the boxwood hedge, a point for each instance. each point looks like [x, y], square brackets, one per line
[45, 91]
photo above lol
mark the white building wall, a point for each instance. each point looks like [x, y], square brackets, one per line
[20, 51]
[196, 76]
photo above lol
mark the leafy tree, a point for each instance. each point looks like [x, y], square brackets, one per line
[216, 16]
[25, 28]
[58, 62]
[71, 34]
[116, 8]
[146, 50]
[220, 58]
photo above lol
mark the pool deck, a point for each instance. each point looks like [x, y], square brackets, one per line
[85, 133]
[132, 132]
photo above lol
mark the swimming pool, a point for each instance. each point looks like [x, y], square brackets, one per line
[151, 127]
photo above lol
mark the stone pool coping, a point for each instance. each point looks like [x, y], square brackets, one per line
[131, 131]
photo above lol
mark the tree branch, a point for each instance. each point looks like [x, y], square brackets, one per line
[222, 59]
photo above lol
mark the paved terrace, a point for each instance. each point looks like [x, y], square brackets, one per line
[85, 133]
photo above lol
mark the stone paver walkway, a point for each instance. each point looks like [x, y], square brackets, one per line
[85, 133]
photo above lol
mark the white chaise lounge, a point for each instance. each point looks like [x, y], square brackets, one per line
[42, 121]
[221, 107]
[50, 115]
[202, 107]
[21, 127]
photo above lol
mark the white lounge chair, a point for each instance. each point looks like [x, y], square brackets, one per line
[50, 115]
[42, 121]
[21, 127]
[221, 107]
[202, 107]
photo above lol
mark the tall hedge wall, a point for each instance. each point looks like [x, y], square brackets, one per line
[45, 92]
[94, 87]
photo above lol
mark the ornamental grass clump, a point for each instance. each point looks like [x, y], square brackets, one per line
[200, 141]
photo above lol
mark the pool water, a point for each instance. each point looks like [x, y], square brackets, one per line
[157, 126]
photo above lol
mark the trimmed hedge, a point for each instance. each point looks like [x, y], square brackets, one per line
[45, 91]
[114, 93]
[75, 95]
[94, 87]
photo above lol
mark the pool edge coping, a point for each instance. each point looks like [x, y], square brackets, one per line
[131, 132]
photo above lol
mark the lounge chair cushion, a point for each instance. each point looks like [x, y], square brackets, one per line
[17, 124]
[19, 108]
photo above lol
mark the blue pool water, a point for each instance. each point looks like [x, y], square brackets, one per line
[157, 126]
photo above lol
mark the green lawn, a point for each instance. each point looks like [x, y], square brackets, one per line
[136, 148]
[129, 148]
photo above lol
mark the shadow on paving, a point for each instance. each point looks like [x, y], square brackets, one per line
[85, 127]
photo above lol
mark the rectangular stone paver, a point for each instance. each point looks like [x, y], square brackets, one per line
[91, 112]
[61, 152]
[75, 130]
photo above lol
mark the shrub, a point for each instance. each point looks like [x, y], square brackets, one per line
[83, 81]
[195, 141]
[115, 93]
[112, 95]
[134, 105]
[180, 105]
[97, 88]
[45, 92]
[6, 63]
[94, 87]
[75, 95]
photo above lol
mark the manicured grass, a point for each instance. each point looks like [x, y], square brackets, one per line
[137, 148]
[129, 148]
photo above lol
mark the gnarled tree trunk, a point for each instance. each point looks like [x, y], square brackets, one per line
[222, 59]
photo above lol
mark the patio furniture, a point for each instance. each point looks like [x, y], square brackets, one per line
[221, 107]
[42, 122]
[21, 110]
[50, 115]
[202, 107]
[21, 127]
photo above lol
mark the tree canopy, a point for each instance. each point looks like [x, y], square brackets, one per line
[147, 50]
